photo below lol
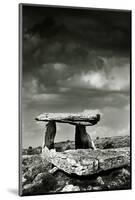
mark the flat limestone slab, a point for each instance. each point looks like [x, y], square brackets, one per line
[87, 118]
[87, 161]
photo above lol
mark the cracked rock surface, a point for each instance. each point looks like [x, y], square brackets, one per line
[87, 161]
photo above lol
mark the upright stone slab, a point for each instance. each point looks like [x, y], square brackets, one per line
[82, 138]
[50, 134]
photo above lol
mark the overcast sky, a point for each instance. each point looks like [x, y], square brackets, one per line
[75, 60]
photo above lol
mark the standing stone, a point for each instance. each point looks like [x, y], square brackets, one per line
[50, 135]
[82, 138]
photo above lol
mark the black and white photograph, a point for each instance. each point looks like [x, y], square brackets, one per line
[75, 99]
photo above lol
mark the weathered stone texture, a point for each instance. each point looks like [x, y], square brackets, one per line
[87, 161]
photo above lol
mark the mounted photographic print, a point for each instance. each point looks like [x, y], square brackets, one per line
[75, 89]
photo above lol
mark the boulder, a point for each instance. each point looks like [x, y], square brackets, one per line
[89, 188]
[34, 171]
[96, 188]
[99, 181]
[70, 188]
[119, 179]
[43, 183]
[33, 165]
[62, 179]
[87, 161]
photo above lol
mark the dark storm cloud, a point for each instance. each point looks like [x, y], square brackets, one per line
[75, 48]
[112, 27]
[70, 36]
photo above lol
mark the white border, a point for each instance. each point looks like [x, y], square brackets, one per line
[9, 97]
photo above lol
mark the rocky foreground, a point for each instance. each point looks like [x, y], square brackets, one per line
[68, 170]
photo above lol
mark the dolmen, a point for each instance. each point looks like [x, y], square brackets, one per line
[85, 159]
